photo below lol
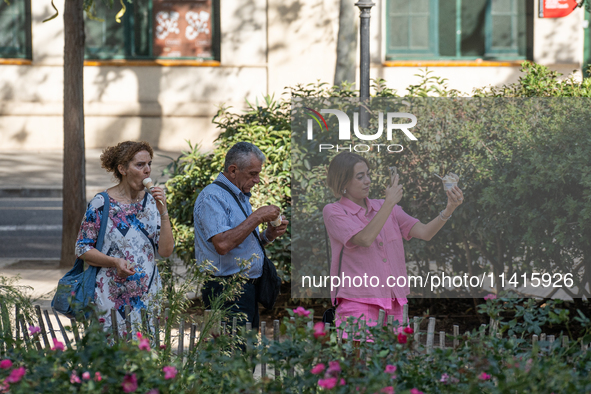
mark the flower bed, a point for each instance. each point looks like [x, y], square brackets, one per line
[312, 359]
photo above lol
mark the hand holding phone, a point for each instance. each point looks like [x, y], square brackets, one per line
[393, 172]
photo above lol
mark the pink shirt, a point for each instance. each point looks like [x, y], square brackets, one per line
[383, 258]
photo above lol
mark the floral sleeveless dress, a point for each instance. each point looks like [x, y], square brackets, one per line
[132, 233]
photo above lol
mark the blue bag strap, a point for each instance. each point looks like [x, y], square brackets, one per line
[226, 188]
[100, 240]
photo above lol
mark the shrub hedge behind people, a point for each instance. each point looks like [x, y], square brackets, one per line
[512, 211]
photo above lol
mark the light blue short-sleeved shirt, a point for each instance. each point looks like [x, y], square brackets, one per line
[216, 211]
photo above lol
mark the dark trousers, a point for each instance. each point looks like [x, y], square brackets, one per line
[245, 303]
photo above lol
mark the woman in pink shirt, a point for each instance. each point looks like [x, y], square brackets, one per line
[368, 234]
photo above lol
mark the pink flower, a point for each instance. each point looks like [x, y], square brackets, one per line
[16, 375]
[319, 330]
[453, 379]
[484, 376]
[444, 378]
[490, 297]
[34, 330]
[342, 382]
[101, 320]
[153, 391]
[317, 369]
[72, 293]
[334, 367]
[86, 375]
[5, 364]
[144, 343]
[414, 390]
[97, 377]
[169, 372]
[129, 383]
[300, 311]
[390, 369]
[57, 345]
[328, 383]
[528, 364]
[402, 338]
[4, 387]
[387, 390]
[74, 378]
[408, 330]
[162, 347]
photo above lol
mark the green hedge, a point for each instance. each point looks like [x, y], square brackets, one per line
[511, 214]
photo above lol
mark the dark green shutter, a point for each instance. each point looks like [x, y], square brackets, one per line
[456, 29]
[412, 28]
[106, 39]
[473, 28]
[142, 29]
[505, 29]
[15, 29]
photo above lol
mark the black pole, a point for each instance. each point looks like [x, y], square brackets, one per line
[365, 14]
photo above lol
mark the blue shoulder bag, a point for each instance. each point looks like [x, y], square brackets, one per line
[75, 291]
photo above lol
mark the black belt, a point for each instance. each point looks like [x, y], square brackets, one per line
[252, 281]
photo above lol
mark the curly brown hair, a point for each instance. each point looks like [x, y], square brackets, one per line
[123, 154]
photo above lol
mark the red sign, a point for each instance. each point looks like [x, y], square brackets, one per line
[556, 8]
[182, 28]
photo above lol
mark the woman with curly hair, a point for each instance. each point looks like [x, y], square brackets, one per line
[138, 227]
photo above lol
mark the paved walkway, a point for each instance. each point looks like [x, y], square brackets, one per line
[40, 276]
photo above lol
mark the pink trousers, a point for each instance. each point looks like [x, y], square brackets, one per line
[367, 312]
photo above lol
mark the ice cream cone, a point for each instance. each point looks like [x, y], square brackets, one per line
[149, 184]
[277, 222]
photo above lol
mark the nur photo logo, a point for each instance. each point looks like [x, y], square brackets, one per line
[344, 131]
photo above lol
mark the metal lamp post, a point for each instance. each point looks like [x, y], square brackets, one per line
[365, 13]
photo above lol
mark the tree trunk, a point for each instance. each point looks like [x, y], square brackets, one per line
[74, 182]
[347, 43]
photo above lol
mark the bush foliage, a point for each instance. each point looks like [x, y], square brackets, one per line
[512, 212]
[310, 359]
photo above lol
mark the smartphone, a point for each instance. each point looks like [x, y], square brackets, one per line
[393, 172]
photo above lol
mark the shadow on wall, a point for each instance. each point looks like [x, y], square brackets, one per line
[37, 88]
[169, 101]
[155, 110]
[21, 136]
[294, 17]
[247, 22]
[35, 77]
[565, 51]
[123, 124]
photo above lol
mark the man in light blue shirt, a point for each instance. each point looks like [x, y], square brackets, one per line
[224, 235]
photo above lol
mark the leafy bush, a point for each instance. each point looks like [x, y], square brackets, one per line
[511, 214]
[310, 359]
[11, 295]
